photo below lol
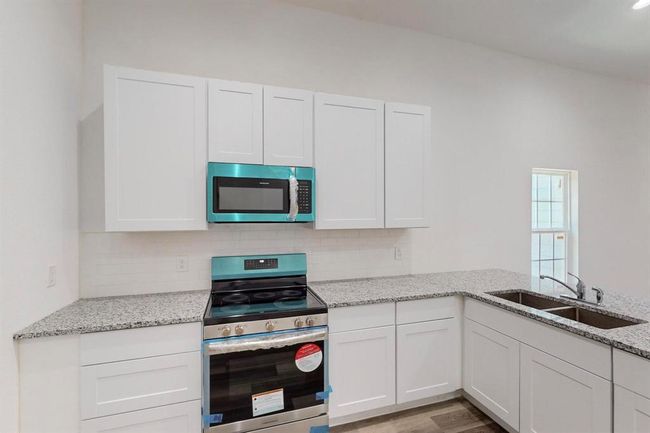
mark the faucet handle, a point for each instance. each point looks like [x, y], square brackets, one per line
[580, 285]
[599, 294]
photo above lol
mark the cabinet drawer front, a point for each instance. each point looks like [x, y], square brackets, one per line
[100, 347]
[361, 317]
[588, 354]
[632, 372]
[362, 370]
[117, 387]
[428, 359]
[631, 412]
[557, 396]
[175, 418]
[427, 309]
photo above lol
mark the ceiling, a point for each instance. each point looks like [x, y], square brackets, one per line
[601, 36]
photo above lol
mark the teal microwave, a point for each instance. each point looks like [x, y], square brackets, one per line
[250, 193]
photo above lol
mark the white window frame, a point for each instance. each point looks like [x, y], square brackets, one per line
[570, 229]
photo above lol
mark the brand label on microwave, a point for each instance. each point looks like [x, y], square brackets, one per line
[268, 401]
[309, 357]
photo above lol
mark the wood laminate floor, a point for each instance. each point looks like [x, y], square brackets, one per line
[453, 416]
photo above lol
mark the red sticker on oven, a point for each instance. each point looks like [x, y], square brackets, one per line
[309, 357]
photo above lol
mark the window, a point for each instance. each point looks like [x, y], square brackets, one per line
[553, 246]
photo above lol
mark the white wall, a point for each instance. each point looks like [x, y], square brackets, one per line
[39, 107]
[495, 117]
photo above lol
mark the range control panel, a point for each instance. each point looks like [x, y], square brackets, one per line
[252, 264]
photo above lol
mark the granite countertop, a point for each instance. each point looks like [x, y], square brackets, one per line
[120, 312]
[476, 284]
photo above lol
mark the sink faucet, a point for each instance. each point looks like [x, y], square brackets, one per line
[579, 291]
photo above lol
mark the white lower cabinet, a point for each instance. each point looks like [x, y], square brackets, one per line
[491, 371]
[117, 387]
[559, 397]
[631, 411]
[174, 418]
[428, 359]
[362, 370]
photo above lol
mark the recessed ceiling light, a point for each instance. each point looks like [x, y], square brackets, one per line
[641, 4]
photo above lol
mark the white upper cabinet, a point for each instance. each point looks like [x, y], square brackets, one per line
[235, 122]
[408, 165]
[349, 161]
[155, 151]
[288, 127]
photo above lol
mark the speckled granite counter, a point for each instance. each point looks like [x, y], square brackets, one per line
[120, 312]
[476, 284]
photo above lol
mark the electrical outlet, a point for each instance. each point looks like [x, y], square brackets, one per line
[398, 253]
[51, 276]
[182, 264]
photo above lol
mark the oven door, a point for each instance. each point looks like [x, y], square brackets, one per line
[262, 380]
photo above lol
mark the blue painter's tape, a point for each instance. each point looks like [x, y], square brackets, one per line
[214, 418]
[324, 395]
[319, 429]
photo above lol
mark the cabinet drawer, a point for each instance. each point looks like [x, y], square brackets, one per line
[117, 387]
[175, 418]
[587, 354]
[361, 317]
[100, 347]
[632, 372]
[427, 309]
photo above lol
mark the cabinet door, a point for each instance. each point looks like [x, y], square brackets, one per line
[408, 165]
[361, 370]
[235, 122]
[154, 150]
[491, 371]
[288, 127]
[428, 359]
[631, 412]
[349, 160]
[559, 397]
[175, 418]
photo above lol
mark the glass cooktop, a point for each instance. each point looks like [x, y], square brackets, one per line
[226, 307]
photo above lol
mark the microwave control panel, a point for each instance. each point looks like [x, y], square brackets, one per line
[304, 196]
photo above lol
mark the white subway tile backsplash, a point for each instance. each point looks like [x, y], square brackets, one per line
[131, 263]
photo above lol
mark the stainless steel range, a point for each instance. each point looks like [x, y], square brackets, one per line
[265, 348]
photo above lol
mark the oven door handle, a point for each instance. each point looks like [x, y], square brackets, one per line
[265, 341]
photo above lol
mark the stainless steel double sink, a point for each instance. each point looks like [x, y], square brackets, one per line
[560, 308]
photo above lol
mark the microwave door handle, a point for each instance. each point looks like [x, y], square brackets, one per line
[293, 196]
[265, 341]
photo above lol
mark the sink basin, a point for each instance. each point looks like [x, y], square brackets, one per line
[592, 318]
[530, 300]
[566, 310]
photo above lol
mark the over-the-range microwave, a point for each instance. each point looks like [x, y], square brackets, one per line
[260, 193]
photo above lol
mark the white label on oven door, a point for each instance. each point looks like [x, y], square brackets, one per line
[309, 358]
[267, 402]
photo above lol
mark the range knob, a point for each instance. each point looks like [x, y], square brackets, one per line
[270, 326]
[298, 323]
[239, 330]
[226, 331]
[309, 321]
